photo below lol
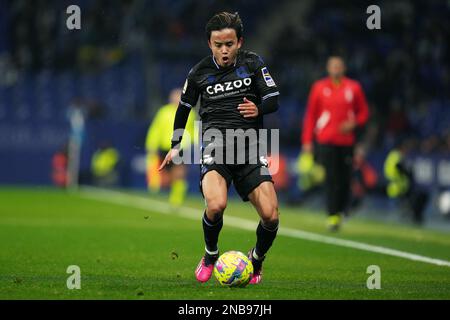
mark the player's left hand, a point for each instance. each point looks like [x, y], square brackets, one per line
[248, 109]
[347, 126]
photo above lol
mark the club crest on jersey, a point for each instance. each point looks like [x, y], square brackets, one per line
[326, 92]
[267, 77]
[228, 86]
[348, 95]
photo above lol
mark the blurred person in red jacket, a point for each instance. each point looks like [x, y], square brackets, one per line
[364, 177]
[59, 167]
[336, 107]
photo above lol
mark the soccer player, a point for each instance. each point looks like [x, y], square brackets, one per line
[157, 145]
[235, 90]
[336, 107]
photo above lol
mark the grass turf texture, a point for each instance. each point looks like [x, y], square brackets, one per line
[129, 253]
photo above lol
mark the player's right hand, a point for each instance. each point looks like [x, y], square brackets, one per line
[169, 156]
[307, 147]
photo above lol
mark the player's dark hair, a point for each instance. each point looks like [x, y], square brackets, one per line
[225, 20]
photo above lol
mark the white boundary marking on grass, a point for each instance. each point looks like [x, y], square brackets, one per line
[139, 202]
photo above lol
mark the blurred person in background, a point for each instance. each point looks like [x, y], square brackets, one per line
[401, 184]
[59, 167]
[364, 177]
[104, 165]
[336, 108]
[280, 176]
[76, 115]
[311, 174]
[158, 143]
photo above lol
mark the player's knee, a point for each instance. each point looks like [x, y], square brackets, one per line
[216, 207]
[270, 224]
[270, 218]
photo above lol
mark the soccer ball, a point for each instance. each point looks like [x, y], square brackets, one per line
[233, 269]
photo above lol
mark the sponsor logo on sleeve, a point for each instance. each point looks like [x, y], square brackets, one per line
[267, 77]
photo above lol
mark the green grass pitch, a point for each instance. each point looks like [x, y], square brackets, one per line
[126, 252]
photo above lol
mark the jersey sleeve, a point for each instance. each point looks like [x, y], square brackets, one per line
[190, 135]
[265, 84]
[362, 109]
[310, 117]
[190, 91]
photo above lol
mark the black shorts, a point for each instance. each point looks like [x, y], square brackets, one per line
[245, 177]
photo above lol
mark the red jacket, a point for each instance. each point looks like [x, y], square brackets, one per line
[329, 105]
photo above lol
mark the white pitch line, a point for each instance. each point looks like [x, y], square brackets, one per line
[139, 202]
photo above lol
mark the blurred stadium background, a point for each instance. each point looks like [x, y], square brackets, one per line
[120, 67]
